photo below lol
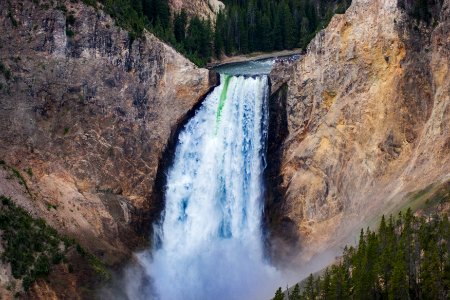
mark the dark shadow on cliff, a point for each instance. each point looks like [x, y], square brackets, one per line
[280, 237]
[131, 281]
[166, 160]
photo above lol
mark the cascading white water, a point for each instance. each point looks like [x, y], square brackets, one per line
[210, 241]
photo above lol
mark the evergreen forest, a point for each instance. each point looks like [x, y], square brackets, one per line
[244, 26]
[407, 258]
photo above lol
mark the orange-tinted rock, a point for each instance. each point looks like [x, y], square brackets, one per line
[369, 121]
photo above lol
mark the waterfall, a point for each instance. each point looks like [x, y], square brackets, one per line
[209, 243]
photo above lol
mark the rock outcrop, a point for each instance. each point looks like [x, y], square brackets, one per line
[85, 115]
[202, 8]
[368, 120]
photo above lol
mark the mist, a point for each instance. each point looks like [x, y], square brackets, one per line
[209, 242]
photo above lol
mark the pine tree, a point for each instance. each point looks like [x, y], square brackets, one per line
[431, 280]
[251, 23]
[309, 292]
[278, 30]
[407, 258]
[179, 26]
[148, 8]
[137, 6]
[383, 265]
[243, 35]
[278, 295]
[325, 285]
[218, 35]
[295, 293]
[399, 284]
[288, 27]
[162, 12]
[311, 14]
[266, 34]
[304, 32]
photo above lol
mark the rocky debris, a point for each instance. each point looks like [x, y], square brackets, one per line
[85, 114]
[368, 120]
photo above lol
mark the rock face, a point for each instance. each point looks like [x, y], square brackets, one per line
[85, 115]
[203, 8]
[368, 121]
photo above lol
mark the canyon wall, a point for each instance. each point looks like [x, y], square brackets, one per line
[368, 121]
[85, 115]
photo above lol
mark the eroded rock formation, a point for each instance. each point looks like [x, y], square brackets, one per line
[368, 119]
[203, 8]
[85, 114]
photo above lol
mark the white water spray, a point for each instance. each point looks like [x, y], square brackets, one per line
[209, 245]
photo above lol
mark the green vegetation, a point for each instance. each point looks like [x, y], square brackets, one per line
[69, 32]
[51, 206]
[90, 3]
[407, 258]
[242, 27]
[12, 19]
[5, 71]
[31, 247]
[97, 265]
[426, 200]
[29, 172]
[14, 173]
[279, 295]
[266, 25]
[20, 178]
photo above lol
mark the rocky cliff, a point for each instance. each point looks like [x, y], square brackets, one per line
[368, 124]
[85, 115]
[203, 8]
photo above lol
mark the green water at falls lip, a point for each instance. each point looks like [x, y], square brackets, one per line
[223, 98]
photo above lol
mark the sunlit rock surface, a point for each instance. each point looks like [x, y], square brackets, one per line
[203, 8]
[368, 121]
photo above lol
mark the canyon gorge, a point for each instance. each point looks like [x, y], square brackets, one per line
[90, 118]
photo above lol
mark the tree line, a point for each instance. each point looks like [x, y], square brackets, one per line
[267, 25]
[407, 258]
[242, 27]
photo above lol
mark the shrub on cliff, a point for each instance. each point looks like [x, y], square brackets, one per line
[32, 247]
[5, 71]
